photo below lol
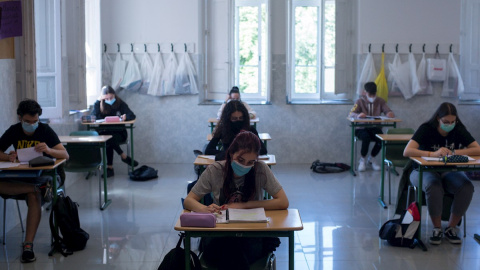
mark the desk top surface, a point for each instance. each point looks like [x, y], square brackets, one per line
[111, 123]
[370, 120]
[205, 160]
[279, 220]
[394, 137]
[262, 136]
[84, 139]
[26, 167]
[423, 162]
[215, 120]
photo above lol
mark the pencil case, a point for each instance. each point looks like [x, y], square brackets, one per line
[112, 119]
[455, 159]
[88, 118]
[192, 219]
[41, 161]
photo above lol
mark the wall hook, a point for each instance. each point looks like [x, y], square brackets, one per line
[410, 48]
[118, 47]
[131, 47]
[145, 46]
[171, 44]
[158, 45]
[370, 47]
[437, 48]
[396, 48]
[451, 47]
[185, 44]
[104, 47]
[423, 47]
[383, 48]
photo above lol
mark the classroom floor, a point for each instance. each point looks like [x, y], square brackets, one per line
[340, 214]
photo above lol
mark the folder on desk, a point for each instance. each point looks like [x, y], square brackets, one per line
[20, 173]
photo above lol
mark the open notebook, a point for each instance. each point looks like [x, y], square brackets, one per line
[232, 215]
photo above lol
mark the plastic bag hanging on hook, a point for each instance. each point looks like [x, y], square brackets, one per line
[155, 86]
[412, 63]
[185, 78]
[146, 69]
[369, 74]
[436, 68]
[118, 71]
[168, 77]
[402, 76]
[393, 86]
[107, 68]
[423, 82]
[132, 79]
[453, 84]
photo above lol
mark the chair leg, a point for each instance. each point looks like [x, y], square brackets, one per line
[465, 225]
[4, 218]
[20, 216]
[389, 183]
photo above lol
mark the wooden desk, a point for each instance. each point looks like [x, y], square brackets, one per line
[115, 126]
[53, 168]
[367, 122]
[438, 166]
[391, 139]
[213, 122]
[282, 223]
[263, 136]
[100, 142]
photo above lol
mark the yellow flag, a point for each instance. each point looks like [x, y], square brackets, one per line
[381, 82]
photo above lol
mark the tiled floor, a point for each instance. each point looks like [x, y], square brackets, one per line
[340, 214]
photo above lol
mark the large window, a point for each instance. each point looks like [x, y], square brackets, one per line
[251, 48]
[312, 50]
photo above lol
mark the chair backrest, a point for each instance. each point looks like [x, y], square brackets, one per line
[82, 155]
[394, 151]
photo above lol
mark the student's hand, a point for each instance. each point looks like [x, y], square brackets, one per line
[390, 115]
[251, 116]
[43, 148]
[213, 208]
[236, 205]
[12, 156]
[362, 115]
[101, 97]
[442, 152]
[124, 117]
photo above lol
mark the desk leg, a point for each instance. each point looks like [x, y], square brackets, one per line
[212, 126]
[131, 145]
[106, 202]
[352, 170]
[382, 181]
[419, 199]
[186, 244]
[54, 201]
[291, 250]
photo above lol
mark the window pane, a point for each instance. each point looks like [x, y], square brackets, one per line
[248, 35]
[329, 56]
[306, 30]
[329, 81]
[248, 79]
[46, 91]
[306, 80]
[264, 54]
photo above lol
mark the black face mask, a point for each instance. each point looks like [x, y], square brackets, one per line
[237, 125]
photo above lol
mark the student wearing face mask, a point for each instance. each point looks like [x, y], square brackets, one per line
[234, 119]
[30, 132]
[444, 134]
[237, 182]
[109, 104]
[235, 95]
[369, 105]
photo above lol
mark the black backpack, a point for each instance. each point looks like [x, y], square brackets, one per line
[175, 258]
[73, 237]
[143, 173]
[324, 167]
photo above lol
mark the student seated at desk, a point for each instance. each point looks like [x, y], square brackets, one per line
[234, 119]
[30, 133]
[235, 95]
[108, 104]
[369, 105]
[444, 134]
[237, 182]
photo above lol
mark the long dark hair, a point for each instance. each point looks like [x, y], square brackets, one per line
[444, 109]
[244, 142]
[107, 89]
[224, 128]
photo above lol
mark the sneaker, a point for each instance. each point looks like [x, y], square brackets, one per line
[46, 191]
[110, 173]
[374, 164]
[451, 235]
[361, 165]
[27, 254]
[128, 160]
[437, 235]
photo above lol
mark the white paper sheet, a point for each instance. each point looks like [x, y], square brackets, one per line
[24, 155]
[4, 165]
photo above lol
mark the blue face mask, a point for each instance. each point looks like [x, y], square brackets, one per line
[447, 128]
[239, 169]
[110, 102]
[29, 128]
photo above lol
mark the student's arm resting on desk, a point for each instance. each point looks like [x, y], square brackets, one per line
[251, 112]
[192, 203]
[279, 202]
[58, 151]
[356, 111]
[212, 146]
[125, 110]
[263, 149]
[411, 150]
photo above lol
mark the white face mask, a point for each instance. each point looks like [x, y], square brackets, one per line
[371, 99]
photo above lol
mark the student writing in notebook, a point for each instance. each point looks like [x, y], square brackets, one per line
[29, 132]
[369, 105]
[235, 95]
[109, 104]
[237, 182]
[443, 134]
[234, 118]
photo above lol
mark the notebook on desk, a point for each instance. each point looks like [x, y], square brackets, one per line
[232, 215]
[20, 173]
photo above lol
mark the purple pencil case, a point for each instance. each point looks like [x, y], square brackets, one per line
[192, 219]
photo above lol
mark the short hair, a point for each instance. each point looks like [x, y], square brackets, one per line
[234, 90]
[371, 88]
[29, 106]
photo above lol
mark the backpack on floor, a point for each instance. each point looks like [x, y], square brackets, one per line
[143, 173]
[402, 232]
[175, 258]
[323, 167]
[73, 237]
